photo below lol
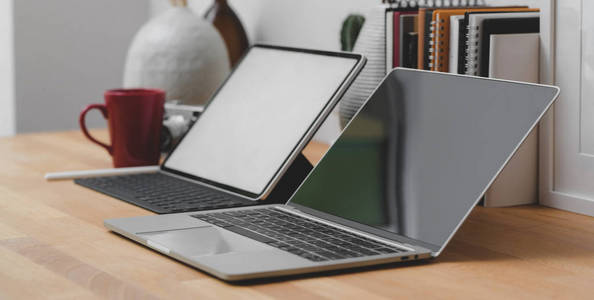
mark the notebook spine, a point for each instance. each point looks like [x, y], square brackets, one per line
[401, 3]
[431, 47]
[440, 3]
[433, 3]
[472, 49]
[439, 44]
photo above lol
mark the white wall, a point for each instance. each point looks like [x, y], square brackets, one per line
[67, 52]
[7, 119]
[305, 23]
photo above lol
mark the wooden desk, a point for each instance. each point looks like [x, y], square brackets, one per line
[53, 244]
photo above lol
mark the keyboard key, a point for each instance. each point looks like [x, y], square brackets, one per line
[250, 234]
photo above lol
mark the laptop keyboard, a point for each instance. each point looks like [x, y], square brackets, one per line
[297, 235]
[162, 193]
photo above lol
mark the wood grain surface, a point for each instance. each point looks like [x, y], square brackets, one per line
[53, 245]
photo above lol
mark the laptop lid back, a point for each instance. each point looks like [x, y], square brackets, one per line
[421, 152]
[262, 116]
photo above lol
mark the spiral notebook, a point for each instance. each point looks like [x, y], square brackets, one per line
[441, 31]
[426, 46]
[475, 41]
[441, 37]
[424, 29]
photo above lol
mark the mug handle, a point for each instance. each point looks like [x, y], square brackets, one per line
[83, 127]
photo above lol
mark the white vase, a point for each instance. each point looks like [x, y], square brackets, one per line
[179, 52]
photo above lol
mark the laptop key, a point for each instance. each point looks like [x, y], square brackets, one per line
[349, 254]
[250, 234]
[221, 224]
[313, 257]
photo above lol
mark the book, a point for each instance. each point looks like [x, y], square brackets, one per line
[397, 38]
[462, 37]
[517, 184]
[409, 57]
[394, 36]
[421, 35]
[389, 32]
[441, 37]
[425, 47]
[475, 41]
[514, 56]
[408, 25]
[503, 26]
[455, 22]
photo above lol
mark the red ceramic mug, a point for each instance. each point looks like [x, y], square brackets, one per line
[134, 118]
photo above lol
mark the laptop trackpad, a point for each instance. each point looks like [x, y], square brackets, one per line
[198, 241]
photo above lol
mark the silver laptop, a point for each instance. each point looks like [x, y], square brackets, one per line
[395, 186]
[249, 135]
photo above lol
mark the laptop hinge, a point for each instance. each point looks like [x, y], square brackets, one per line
[393, 242]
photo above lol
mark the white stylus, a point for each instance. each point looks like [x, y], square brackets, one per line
[99, 172]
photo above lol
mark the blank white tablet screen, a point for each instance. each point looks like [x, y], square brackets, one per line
[258, 117]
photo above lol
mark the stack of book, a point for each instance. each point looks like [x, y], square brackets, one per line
[464, 40]
[495, 42]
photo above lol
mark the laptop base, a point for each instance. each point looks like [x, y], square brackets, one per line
[233, 255]
[162, 193]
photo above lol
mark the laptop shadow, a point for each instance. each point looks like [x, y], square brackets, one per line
[456, 252]
[260, 281]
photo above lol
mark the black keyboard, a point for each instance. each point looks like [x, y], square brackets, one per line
[297, 235]
[161, 193]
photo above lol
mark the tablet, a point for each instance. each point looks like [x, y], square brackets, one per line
[262, 116]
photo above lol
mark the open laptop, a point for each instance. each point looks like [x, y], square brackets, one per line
[395, 186]
[249, 135]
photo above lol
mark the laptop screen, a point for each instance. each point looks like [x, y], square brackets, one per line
[259, 115]
[422, 151]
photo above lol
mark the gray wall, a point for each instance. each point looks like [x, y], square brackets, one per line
[67, 52]
[302, 23]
